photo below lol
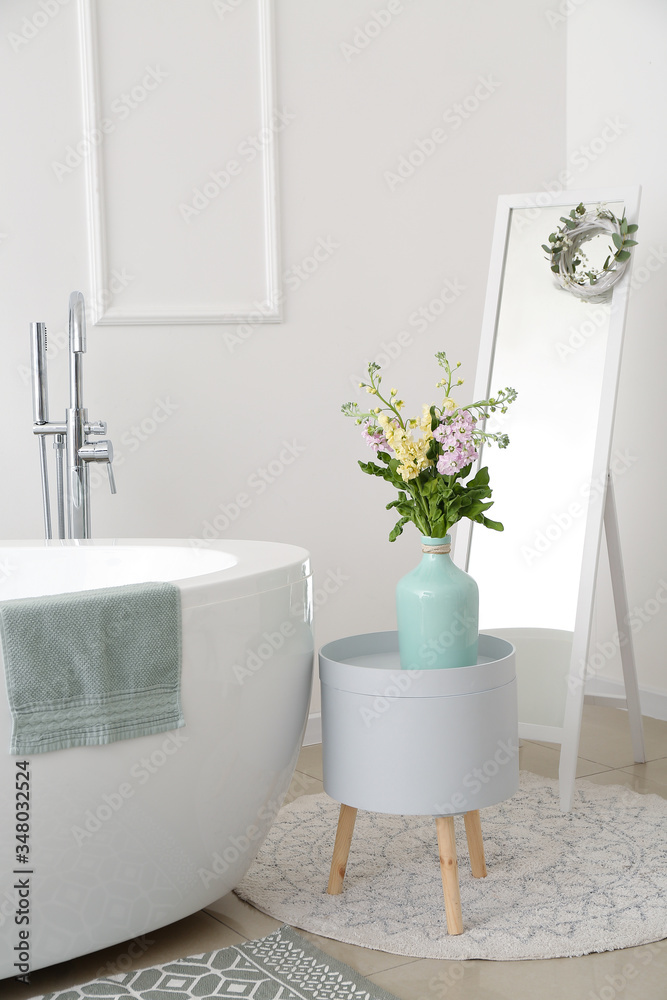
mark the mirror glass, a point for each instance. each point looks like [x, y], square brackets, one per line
[550, 346]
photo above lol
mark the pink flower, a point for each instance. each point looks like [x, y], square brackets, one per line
[454, 433]
[374, 437]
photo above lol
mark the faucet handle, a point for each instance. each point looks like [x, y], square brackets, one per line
[112, 478]
[99, 451]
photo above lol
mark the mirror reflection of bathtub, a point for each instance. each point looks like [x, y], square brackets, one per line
[133, 835]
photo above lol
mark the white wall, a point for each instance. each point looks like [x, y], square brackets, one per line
[356, 114]
[616, 69]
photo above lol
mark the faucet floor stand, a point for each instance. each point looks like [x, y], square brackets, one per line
[73, 447]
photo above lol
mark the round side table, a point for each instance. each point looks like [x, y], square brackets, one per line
[418, 742]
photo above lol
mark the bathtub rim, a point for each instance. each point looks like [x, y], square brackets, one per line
[260, 567]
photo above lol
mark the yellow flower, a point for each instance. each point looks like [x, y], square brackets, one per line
[449, 404]
[411, 453]
[425, 422]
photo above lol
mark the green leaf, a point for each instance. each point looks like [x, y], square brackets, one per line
[389, 474]
[548, 250]
[630, 243]
[429, 486]
[623, 255]
[606, 264]
[475, 509]
[402, 499]
[398, 529]
[617, 240]
[487, 522]
[624, 225]
[555, 268]
[444, 490]
[405, 509]
[481, 479]
[633, 228]
[371, 469]
[570, 223]
[438, 527]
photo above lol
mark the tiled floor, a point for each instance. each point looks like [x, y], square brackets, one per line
[631, 974]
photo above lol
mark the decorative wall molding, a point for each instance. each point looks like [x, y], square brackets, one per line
[156, 313]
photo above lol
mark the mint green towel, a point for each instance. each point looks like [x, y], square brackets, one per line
[92, 667]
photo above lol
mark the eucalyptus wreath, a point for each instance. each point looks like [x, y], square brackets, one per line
[569, 262]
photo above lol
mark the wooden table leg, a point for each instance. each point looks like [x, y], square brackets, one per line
[449, 870]
[475, 843]
[346, 820]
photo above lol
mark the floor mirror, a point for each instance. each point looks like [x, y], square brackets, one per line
[562, 352]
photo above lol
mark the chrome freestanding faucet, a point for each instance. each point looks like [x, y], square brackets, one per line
[74, 451]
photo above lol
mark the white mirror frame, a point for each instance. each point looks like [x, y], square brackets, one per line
[601, 506]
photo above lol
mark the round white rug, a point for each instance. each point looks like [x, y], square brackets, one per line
[558, 885]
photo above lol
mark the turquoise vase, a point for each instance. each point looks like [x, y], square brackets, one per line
[437, 608]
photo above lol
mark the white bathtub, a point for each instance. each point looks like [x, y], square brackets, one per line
[128, 837]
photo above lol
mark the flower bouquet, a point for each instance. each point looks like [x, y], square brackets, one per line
[429, 460]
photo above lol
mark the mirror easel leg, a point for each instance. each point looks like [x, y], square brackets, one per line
[567, 767]
[619, 591]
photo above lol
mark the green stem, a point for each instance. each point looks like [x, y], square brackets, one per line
[387, 402]
[449, 379]
[484, 404]
[418, 496]
[485, 435]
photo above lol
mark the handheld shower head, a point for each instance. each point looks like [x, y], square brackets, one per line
[77, 347]
[40, 394]
[77, 323]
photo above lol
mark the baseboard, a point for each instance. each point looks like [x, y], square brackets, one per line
[313, 729]
[653, 703]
